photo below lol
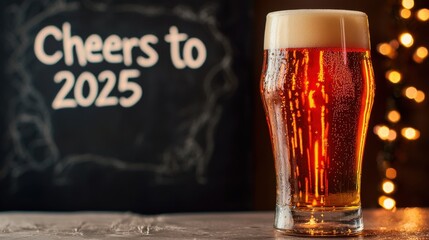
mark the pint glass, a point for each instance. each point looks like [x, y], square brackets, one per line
[317, 87]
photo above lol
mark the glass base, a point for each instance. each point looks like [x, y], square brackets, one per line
[320, 221]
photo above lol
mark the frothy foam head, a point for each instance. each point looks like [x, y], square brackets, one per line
[308, 28]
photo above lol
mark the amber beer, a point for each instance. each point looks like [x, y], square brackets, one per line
[317, 87]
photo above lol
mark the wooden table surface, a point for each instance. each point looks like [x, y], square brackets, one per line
[408, 223]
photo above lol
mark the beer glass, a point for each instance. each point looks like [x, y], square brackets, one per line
[317, 87]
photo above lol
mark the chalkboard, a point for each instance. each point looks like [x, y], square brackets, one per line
[125, 105]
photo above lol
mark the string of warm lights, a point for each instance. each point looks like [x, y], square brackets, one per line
[394, 50]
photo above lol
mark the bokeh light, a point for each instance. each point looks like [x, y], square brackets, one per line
[420, 54]
[391, 173]
[420, 97]
[392, 135]
[410, 92]
[406, 39]
[387, 202]
[408, 4]
[386, 49]
[410, 133]
[423, 14]
[393, 76]
[388, 186]
[382, 132]
[394, 43]
[394, 116]
[405, 13]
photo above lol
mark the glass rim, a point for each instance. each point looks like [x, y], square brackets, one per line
[316, 11]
